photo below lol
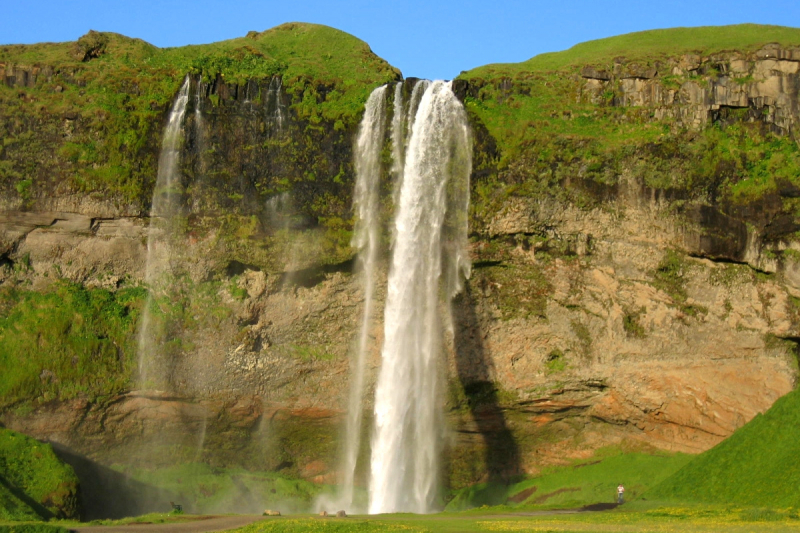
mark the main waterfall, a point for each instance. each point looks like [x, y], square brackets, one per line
[428, 262]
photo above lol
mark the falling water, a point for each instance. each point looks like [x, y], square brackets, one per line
[398, 136]
[428, 221]
[198, 99]
[276, 109]
[413, 103]
[167, 197]
[367, 233]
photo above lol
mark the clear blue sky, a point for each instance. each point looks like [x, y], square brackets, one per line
[427, 39]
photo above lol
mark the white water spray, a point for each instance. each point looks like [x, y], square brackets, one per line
[398, 138]
[371, 135]
[167, 197]
[430, 241]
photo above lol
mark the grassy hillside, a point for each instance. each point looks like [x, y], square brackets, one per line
[649, 45]
[757, 465]
[33, 481]
[95, 125]
[583, 483]
[546, 131]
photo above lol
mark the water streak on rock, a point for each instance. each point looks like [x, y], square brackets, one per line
[167, 199]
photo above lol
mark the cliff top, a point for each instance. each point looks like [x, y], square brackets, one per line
[301, 53]
[123, 87]
[649, 46]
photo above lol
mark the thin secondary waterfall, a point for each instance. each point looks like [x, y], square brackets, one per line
[430, 243]
[276, 109]
[167, 197]
[371, 135]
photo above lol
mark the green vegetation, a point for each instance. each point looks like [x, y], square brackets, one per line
[693, 519]
[670, 277]
[150, 518]
[114, 91]
[203, 488]
[550, 134]
[582, 483]
[33, 528]
[13, 507]
[76, 341]
[631, 324]
[651, 45]
[756, 466]
[34, 483]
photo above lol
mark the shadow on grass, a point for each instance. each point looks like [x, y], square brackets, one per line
[105, 493]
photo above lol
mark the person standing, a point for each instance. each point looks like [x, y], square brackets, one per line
[620, 493]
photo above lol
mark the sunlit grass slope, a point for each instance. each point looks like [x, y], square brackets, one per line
[650, 45]
[577, 485]
[758, 465]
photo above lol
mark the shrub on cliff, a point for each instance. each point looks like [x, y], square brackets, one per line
[40, 485]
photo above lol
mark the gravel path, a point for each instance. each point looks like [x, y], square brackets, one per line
[202, 525]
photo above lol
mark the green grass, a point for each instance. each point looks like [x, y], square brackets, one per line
[118, 99]
[32, 528]
[206, 489]
[13, 507]
[755, 466]
[548, 134]
[650, 45]
[66, 342]
[34, 483]
[583, 483]
[654, 519]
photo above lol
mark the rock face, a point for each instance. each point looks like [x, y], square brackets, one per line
[693, 90]
[641, 319]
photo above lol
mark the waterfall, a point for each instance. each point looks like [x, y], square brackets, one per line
[398, 138]
[167, 198]
[371, 135]
[276, 109]
[430, 243]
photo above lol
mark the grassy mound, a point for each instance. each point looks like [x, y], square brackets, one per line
[39, 483]
[584, 483]
[757, 465]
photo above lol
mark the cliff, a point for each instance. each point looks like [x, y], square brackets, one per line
[634, 240]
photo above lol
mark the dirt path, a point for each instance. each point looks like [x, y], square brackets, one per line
[202, 525]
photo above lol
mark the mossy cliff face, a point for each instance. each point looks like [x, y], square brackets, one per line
[635, 266]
